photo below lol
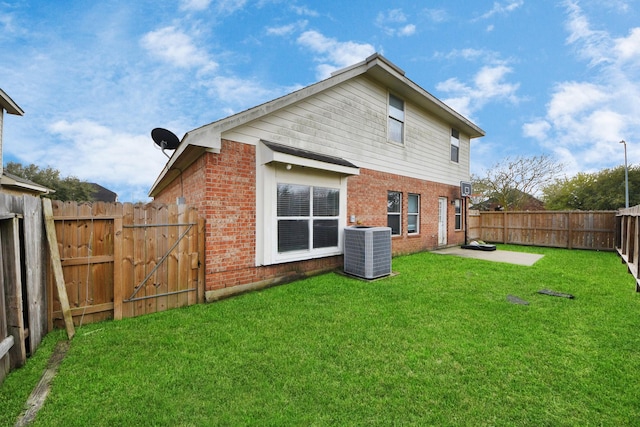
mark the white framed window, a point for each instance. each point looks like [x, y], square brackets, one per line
[413, 214]
[300, 213]
[307, 217]
[394, 212]
[396, 119]
[455, 145]
[458, 206]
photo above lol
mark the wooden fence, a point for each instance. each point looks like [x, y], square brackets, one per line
[124, 260]
[594, 230]
[23, 321]
[628, 240]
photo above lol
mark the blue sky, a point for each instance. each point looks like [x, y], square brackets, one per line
[554, 77]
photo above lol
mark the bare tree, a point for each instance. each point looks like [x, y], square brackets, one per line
[512, 181]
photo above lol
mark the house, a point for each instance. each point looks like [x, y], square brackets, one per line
[519, 201]
[101, 194]
[278, 183]
[9, 183]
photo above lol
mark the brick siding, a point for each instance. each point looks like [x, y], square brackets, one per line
[223, 188]
[367, 201]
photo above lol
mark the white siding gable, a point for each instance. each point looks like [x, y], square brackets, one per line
[349, 120]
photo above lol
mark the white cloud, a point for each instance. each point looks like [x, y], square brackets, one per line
[471, 54]
[177, 48]
[407, 30]
[285, 30]
[194, 4]
[223, 7]
[332, 53]
[304, 11]
[238, 91]
[488, 86]
[628, 48]
[228, 7]
[595, 46]
[502, 8]
[393, 23]
[585, 119]
[97, 153]
[436, 15]
[537, 129]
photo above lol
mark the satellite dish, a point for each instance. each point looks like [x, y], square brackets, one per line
[165, 139]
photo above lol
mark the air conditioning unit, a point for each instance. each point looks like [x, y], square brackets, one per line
[367, 251]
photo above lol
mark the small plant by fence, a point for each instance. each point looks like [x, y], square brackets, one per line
[594, 230]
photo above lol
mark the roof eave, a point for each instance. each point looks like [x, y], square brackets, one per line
[6, 181]
[9, 104]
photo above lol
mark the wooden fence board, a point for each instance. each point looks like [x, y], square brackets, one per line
[57, 266]
[9, 228]
[35, 272]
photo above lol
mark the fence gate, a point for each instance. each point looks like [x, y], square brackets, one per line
[157, 255]
[123, 259]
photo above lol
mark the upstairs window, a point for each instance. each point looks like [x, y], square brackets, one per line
[307, 217]
[394, 211]
[455, 145]
[396, 119]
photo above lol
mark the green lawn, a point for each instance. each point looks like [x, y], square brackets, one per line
[437, 344]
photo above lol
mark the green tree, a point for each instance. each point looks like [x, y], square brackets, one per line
[603, 190]
[68, 188]
[512, 181]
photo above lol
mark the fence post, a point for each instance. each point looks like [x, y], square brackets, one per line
[504, 227]
[117, 269]
[569, 231]
[636, 244]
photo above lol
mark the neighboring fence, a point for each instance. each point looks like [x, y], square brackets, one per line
[593, 230]
[23, 311]
[628, 240]
[124, 260]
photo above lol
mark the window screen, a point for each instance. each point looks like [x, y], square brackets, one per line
[394, 209]
[307, 217]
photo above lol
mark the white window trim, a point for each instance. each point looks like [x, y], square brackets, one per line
[455, 142]
[390, 117]
[458, 206]
[310, 251]
[416, 214]
[268, 173]
[399, 214]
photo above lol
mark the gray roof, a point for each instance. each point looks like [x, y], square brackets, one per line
[305, 154]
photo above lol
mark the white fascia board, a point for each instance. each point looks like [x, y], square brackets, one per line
[9, 104]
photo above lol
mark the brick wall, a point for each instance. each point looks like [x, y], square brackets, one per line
[223, 188]
[367, 201]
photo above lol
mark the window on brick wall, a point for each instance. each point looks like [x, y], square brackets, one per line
[394, 212]
[413, 214]
[458, 206]
[307, 217]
